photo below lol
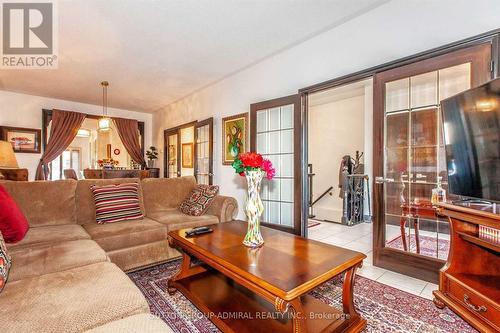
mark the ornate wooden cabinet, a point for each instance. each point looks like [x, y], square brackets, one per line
[469, 283]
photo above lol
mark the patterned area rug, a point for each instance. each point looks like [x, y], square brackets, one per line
[386, 309]
[429, 246]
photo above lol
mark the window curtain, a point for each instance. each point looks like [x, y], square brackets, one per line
[65, 125]
[128, 130]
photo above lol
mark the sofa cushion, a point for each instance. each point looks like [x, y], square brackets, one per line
[144, 323]
[57, 257]
[51, 234]
[75, 300]
[13, 224]
[117, 202]
[163, 194]
[198, 201]
[175, 220]
[45, 203]
[119, 235]
[5, 263]
[140, 256]
[85, 198]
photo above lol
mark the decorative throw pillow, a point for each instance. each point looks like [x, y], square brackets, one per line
[13, 223]
[115, 203]
[199, 200]
[5, 263]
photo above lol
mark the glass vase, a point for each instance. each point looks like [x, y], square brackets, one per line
[253, 209]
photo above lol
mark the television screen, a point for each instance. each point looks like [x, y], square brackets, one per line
[471, 126]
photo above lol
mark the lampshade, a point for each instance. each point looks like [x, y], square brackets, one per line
[7, 156]
[104, 124]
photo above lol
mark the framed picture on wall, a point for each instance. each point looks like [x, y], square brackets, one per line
[187, 155]
[23, 140]
[234, 137]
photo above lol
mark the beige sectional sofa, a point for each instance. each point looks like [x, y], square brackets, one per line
[67, 273]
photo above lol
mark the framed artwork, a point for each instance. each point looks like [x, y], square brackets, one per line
[187, 155]
[234, 137]
[23, 140]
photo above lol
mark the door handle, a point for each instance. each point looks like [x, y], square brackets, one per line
[382, 180]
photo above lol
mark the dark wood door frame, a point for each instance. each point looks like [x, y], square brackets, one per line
[210, 123]
[47, 117]
[418, 266]
[299, 225]
[492, 37]
[171, 131]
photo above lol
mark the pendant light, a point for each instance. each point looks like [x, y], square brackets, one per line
[104, 123]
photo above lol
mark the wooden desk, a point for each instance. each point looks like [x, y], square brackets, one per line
[266, 289]
[469, 283]
[415, 211]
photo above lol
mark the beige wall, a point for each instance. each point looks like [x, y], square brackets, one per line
[21, 110]
[336, 129]
[394, 30]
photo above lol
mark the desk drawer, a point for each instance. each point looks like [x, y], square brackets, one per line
[481, 307]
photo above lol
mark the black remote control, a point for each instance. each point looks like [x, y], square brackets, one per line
[198, 231]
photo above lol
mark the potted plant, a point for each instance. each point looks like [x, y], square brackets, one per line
[152, 155]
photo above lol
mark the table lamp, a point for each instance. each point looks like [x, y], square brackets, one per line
[7, 157]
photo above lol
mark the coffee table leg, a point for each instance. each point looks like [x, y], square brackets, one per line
[349, 310]
[297, 312]
[186, 270]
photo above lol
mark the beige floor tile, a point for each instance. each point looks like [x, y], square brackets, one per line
[428, 289]
[403, 282]
[371, 272]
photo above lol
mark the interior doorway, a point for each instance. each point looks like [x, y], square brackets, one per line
[189, 151]
[340, 126]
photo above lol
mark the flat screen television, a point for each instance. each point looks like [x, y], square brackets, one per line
[471, 126]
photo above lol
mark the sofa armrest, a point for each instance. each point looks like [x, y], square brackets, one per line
[225, 208]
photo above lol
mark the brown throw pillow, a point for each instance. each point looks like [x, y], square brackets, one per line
[5, 263]
[198, 201]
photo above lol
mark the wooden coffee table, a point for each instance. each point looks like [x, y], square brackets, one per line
[266, 289]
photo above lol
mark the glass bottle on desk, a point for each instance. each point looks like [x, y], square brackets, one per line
[438, 193]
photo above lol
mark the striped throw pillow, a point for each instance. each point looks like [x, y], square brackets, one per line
[115, 203]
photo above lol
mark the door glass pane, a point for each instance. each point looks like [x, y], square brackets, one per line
[454, 80]
[55, 169]
[397, 95]
[415, 158]
[274, 141]
[66, 160]
[424, 127]
[397, 130]
[424, 90]
[172, 156]
[424, 166]
[75, 161]
[203, 154]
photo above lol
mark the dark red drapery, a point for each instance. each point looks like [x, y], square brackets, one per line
[65, 125]
[128, 130]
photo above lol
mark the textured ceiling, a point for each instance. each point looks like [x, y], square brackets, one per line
[156, 52]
